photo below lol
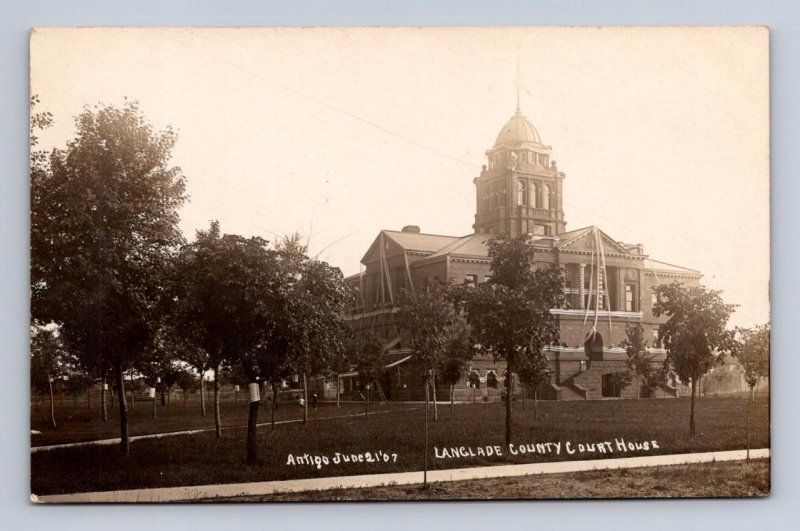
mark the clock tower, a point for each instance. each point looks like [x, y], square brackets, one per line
[519, 191]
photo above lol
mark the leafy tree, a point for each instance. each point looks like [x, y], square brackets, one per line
[695, 334]
[510, 315]
[533, 369]
[187, 383]
[452, 367]
[435, 326]
[369, 358]
[222, 287]
[315, 301]
[648, 374]
[752, 351]
[48, 360]
[104, 227]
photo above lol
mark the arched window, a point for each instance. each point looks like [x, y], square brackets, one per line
[520, 193]
[534, 196]
[546, 196]
[491, 379]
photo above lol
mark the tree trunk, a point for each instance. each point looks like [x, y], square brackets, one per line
[691, 411]
[274, 402]
[155, 418]
[425, 462]
[435, 409]
[52, 404]
[338, 390]
[452, 398]
[509, 387]
[202, 395]
[163, 397]
[89, 397]
[113, 398]
[169, 397]
[125, 444]
[217, 419]
[103, 411]
[535, 392]
[184, 397]
[638, 387]
[305, 399]
[133, 396]
[252, 423]
[748, 423]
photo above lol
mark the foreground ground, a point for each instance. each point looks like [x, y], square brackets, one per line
[393, 441]
[732, 479]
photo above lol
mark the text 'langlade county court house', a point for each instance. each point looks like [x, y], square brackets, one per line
[608, 282]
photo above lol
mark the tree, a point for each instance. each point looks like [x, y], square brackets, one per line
[695, 334]
[48, 360]
[752, 351]
[533, 369]
[187, 383]
[453, 365]
[640, 363]
[369, 358]
[510, 314]
[104, 227]
[222, 286]
[316, 299]
[434, 325]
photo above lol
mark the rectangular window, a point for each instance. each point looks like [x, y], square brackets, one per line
[471, 281]
[656, 342]
[654, 299]
[583, 366]
[487, 278]
[630, 299]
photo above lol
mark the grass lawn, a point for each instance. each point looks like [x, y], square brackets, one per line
[198, 459]
[703, 480]
[77, 423]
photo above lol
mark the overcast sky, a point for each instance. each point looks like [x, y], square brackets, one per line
[663, 133]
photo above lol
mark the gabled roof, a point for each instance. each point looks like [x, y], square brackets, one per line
[411, 241]
[472, 245]
[417, 241]
[572, 241]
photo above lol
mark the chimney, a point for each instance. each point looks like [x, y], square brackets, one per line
[411, 228]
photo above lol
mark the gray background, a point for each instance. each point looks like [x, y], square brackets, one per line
[16, 17]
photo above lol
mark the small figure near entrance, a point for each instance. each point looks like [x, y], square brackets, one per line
[314, 401]
[301, 401]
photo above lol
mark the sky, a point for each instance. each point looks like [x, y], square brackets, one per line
[337, 133]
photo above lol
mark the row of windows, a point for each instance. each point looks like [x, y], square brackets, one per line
[509, 158]
[533, 195]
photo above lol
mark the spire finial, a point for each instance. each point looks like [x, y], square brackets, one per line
[518, 80]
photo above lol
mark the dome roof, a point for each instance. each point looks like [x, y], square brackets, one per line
[517, 129]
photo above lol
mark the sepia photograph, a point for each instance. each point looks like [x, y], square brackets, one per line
[399, 263]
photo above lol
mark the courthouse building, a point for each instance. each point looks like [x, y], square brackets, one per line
[608, 282]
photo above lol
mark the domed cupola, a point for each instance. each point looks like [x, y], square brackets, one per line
[518, 130]
[519, 191]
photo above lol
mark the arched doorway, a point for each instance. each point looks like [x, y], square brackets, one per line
[594, 343]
